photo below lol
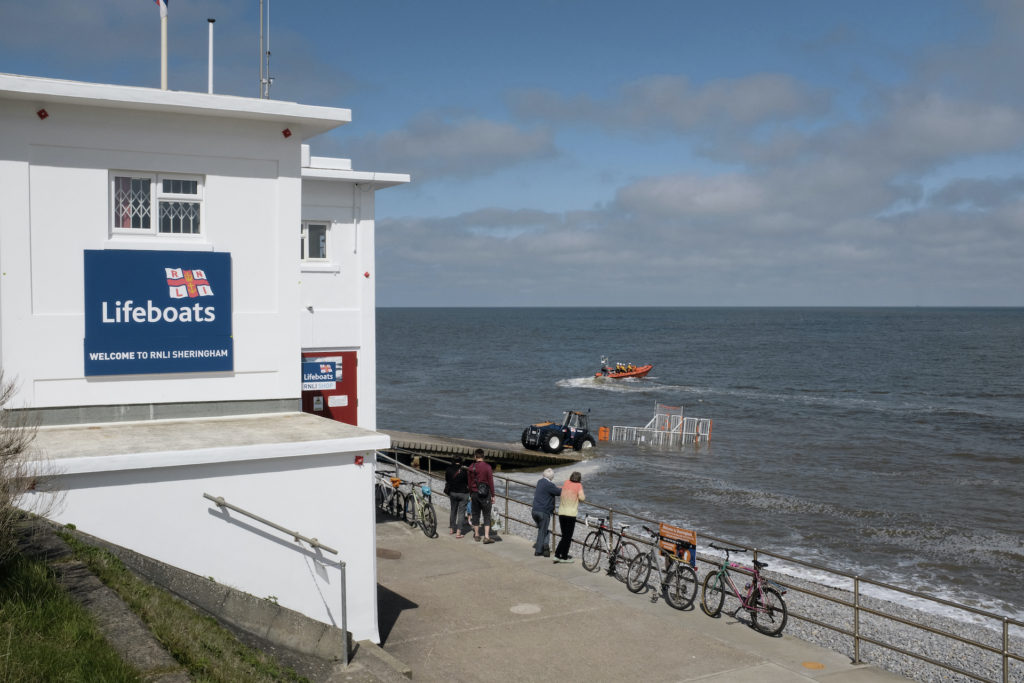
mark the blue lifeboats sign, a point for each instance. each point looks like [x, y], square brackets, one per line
[319, 376]
[157, 312]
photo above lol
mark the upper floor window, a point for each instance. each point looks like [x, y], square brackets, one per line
[156, 203]
[314, 241]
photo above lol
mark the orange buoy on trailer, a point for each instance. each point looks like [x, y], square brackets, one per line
[602, 434]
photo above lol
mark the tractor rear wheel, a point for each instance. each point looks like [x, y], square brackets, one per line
[553, 443]
[585, 443]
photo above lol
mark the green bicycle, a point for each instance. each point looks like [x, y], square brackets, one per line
[419, 509]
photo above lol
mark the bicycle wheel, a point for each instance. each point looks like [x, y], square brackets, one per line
[680, 586]
[627, 552]
[638, 572]
[713, 594]
[379, 495]
[429, 521]
[409, 509]
[397, 508]
[592, 550]
[771, 614]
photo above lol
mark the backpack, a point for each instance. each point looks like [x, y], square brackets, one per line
[482, 489]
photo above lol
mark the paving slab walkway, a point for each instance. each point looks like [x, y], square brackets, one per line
[455, 610]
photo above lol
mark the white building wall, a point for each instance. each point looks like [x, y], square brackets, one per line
[56, 205]
[338, 298]
[160, 512]
[55, 190]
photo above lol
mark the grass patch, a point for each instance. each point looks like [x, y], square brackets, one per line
[45, 635]
[206, 649]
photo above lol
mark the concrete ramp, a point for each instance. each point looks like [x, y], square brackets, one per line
[509, 455]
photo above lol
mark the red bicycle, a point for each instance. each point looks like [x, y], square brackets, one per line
[762, 597]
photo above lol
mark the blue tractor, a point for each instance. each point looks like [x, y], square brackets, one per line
[552, 437]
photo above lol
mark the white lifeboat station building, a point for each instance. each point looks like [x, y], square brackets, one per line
[187, 309]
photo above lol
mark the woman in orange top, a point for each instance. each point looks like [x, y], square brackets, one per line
[568, 506]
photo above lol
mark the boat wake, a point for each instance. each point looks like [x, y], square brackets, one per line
[627, 385]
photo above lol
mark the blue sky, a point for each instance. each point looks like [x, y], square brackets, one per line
[589, 153]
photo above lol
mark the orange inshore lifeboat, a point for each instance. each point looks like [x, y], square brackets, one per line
[617, 373]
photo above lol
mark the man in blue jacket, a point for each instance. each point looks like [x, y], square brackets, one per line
[543, 508]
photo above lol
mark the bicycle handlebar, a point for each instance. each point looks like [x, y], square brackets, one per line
[727, 549]
[601, 524]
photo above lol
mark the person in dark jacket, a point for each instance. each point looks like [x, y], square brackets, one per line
[457, 486]
[543, 508]
[481, 488]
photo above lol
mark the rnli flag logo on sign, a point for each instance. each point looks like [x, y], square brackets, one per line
[187, 284]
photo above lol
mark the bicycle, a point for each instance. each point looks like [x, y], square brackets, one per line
[763, 598]
[389, 498]
[679, 580]
[597, 544]
[419, 509]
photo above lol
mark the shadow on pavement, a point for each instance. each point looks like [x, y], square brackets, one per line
[390, 606]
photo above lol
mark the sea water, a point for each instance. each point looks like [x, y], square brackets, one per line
[887, 443]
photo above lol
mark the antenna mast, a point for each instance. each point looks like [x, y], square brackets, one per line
[265, 78]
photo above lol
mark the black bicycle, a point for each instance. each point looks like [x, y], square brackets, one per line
[598, 543]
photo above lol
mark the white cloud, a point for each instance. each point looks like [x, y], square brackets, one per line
[434, 146]
[671, 103]
[692, 195]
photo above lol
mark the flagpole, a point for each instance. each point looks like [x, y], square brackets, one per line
[163, 50]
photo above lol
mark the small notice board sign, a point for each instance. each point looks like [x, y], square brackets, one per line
[668, 535]
[318, 376]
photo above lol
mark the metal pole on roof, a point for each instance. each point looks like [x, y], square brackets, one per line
[163, 48]
[261, 49]
[209, 74]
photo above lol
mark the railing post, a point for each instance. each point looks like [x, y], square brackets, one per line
[856, 620]
[504, 526]
[344, 615]
[1006, 650]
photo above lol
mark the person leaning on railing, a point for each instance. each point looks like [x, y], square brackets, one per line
[543, 508]
[568, 506]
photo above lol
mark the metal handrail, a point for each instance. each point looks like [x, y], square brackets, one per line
[221, 503]
[294, 534]
[856, 605]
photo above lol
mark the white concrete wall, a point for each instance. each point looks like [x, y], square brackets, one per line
[54, 182]
[342, 297]
[161, 513]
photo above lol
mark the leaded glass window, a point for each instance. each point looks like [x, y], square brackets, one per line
[176, 202]
[132, 202]
[179, 218]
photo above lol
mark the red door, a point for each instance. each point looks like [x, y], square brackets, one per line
[339, 403]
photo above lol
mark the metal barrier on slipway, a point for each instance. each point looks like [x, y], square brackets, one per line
[669, 428]
[860, 623]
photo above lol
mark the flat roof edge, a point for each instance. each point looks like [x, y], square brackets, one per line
[205, 456]
[369, 177]
[136, 97]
